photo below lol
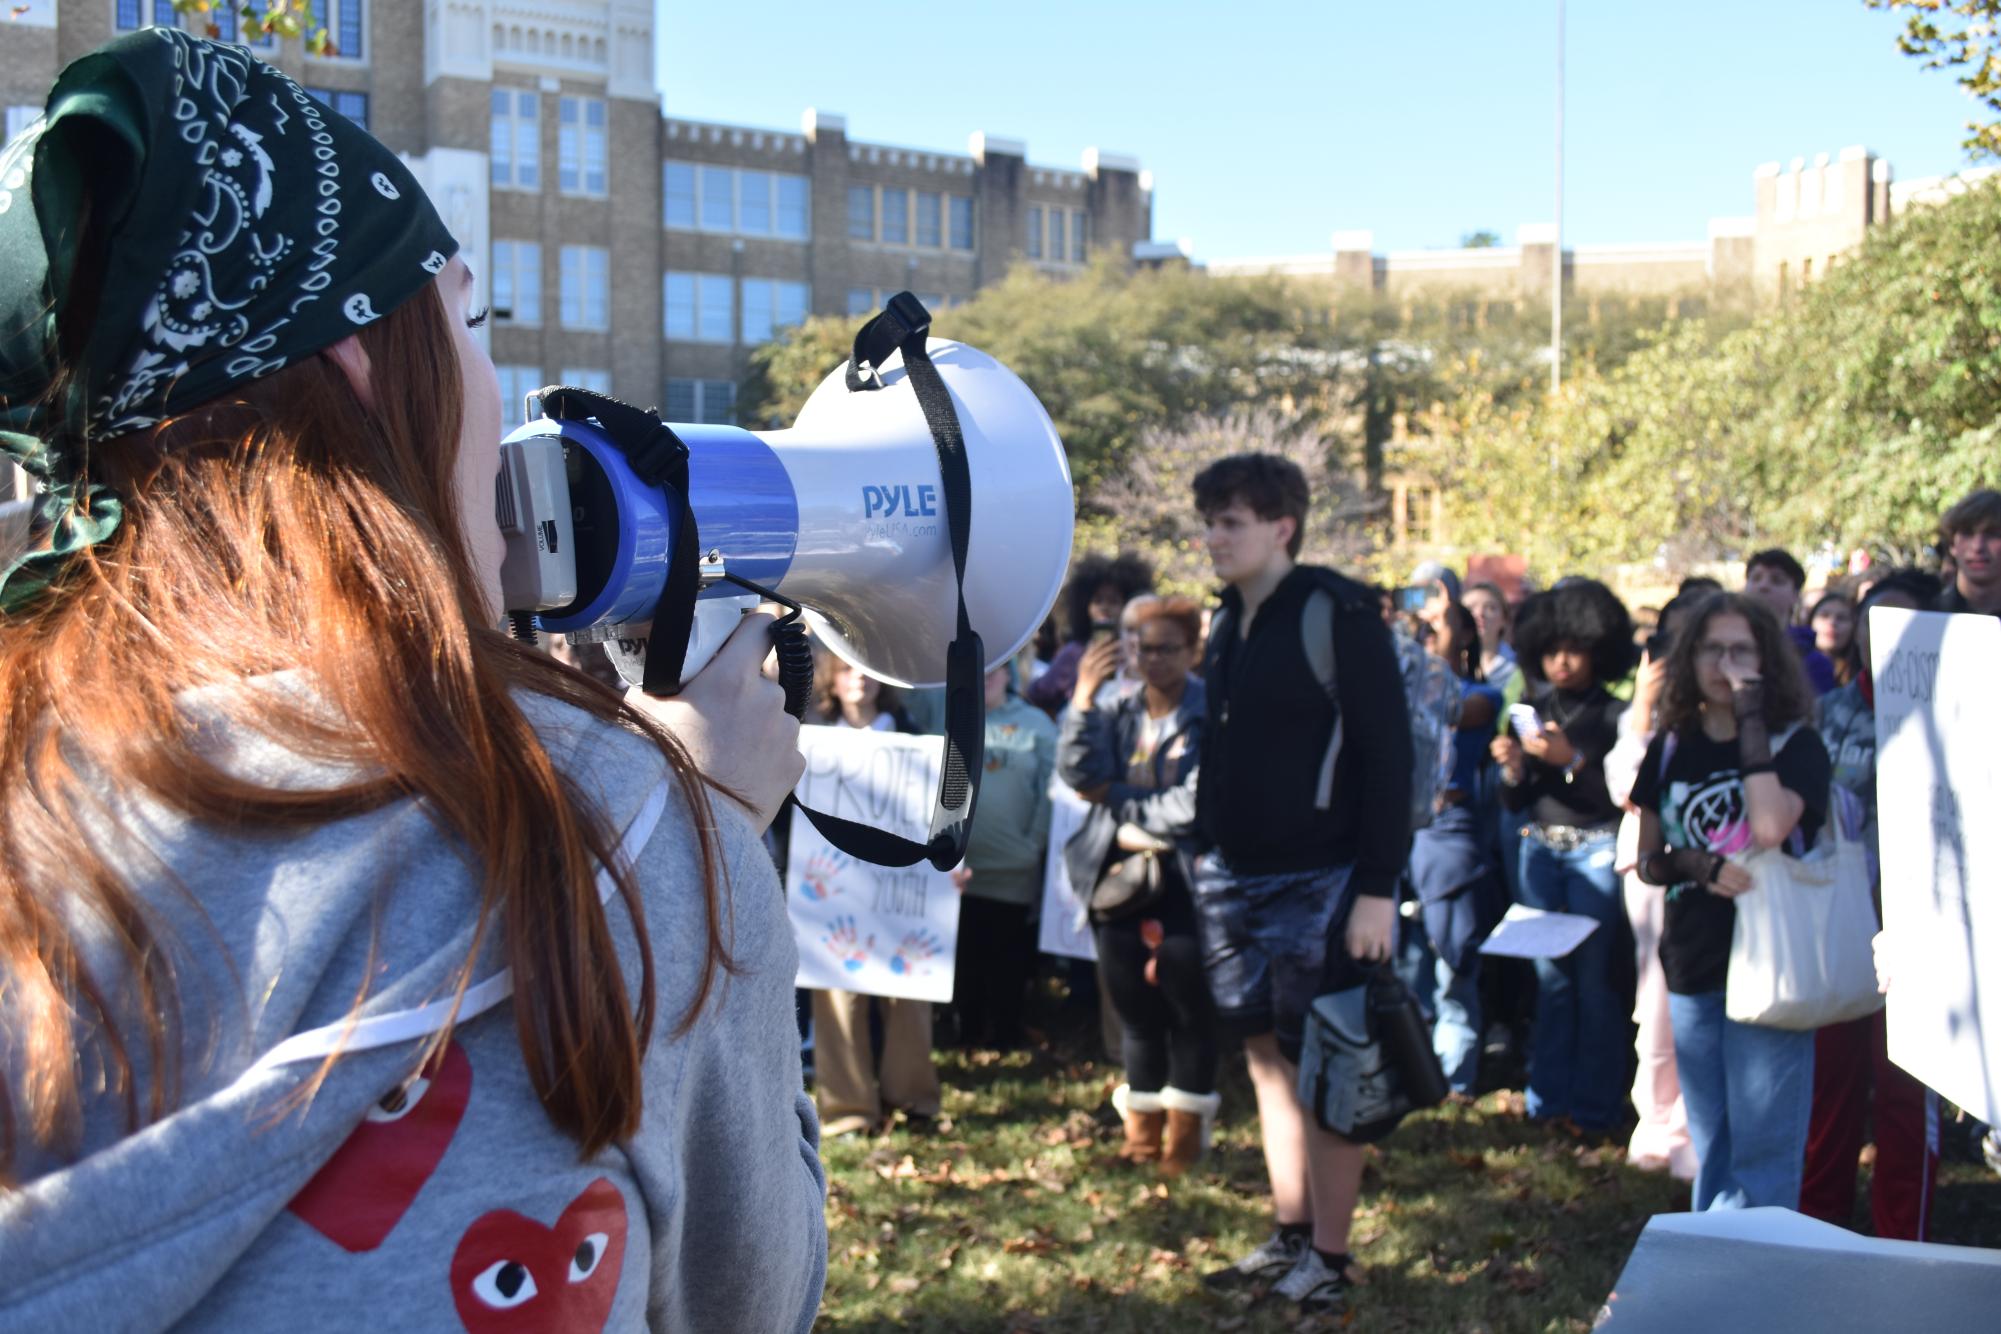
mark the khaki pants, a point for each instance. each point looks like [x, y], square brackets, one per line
[847, 1083]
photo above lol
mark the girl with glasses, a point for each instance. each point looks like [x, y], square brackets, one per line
[1135, 762]
[1733, 768]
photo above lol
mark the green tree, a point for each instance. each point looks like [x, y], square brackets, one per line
[1963, 36]
[1480, 240]
[1853, 414]
[267, 18]
[1109, 354]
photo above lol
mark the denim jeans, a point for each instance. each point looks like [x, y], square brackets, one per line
[1582, 1048]
[1450, 1000]
[1749, 1091]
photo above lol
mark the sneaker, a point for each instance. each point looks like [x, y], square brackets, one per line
[1314, 1286]
[1279, 1254]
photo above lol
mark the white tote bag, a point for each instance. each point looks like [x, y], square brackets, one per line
[1800, 956]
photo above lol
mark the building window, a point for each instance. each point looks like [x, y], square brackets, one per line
[352, 105]
[1077, 228]
[517, 282]
[1059, 235]
[677, 193]
[930, 219]
[698, 307]
[795, 207]
[1035, 231]
[126, 15]
[861, 213]
[717, 186]
[769, 306]
[344, 21]
[580, 146]
[961, 209]
[597, 381]
[707, 402]
[895, 217]
[767, 203]
[861, 301]
[516, 383]
[586, 289]
[517, 139]
[754, 202]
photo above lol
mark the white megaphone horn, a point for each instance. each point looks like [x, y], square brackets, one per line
[843, 513]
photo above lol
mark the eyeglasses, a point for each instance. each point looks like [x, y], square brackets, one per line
[1740, 654]
[1161, 650]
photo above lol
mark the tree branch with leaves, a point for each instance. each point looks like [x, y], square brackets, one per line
[267, 18]
[1963, 36]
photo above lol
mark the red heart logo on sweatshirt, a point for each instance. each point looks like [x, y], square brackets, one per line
[362, 1192]
[511, 1275]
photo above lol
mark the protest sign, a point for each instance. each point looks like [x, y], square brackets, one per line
[1066, 930]
[1938, 782]
[878, 930]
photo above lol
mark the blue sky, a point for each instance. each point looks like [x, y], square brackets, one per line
[1268, 126]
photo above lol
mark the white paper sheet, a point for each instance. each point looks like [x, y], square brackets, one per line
[1532, 933]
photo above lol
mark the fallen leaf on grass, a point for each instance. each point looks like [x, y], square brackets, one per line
[1517, 1279]
[904, 1283]
[1035, 1243]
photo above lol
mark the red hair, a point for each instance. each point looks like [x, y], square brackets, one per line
[286, 527]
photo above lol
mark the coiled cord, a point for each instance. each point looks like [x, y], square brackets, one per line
[789, 643]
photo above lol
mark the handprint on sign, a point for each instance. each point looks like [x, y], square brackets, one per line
[845, 944]
[820, 880]
[916, 948]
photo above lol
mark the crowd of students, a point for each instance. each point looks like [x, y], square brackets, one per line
[1600, 765]
[320, 895]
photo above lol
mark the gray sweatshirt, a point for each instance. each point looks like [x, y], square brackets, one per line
[454, 1203]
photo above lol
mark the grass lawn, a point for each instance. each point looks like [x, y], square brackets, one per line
[1014, 1213]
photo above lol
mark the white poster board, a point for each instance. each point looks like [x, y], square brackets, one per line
[1938, 811]
[877, 930]
[1066, 930]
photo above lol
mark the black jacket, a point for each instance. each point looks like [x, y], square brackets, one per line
[1268, 726]
[1091, 749]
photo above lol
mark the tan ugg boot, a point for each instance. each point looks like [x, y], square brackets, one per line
[1145, 1122]
[1189, 1116]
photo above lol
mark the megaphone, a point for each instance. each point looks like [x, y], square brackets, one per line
[843, 513]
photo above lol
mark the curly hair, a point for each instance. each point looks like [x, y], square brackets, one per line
[1582, 612]
[1129, 573]
[1788, 697]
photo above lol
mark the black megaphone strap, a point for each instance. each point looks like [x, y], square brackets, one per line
[903, 326]
[659, 458]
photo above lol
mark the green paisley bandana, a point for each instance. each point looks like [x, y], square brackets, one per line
[241, 226]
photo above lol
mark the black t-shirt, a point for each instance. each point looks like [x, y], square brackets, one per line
[1700, 801]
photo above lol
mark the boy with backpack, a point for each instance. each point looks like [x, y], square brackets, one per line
[1304, 808]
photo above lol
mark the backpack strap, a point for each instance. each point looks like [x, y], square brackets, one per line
[1316, 635]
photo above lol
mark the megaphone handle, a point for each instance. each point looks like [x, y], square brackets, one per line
[715, 621]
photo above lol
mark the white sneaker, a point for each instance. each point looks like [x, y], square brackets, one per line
[1315, 1286]
[1278, 1255]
